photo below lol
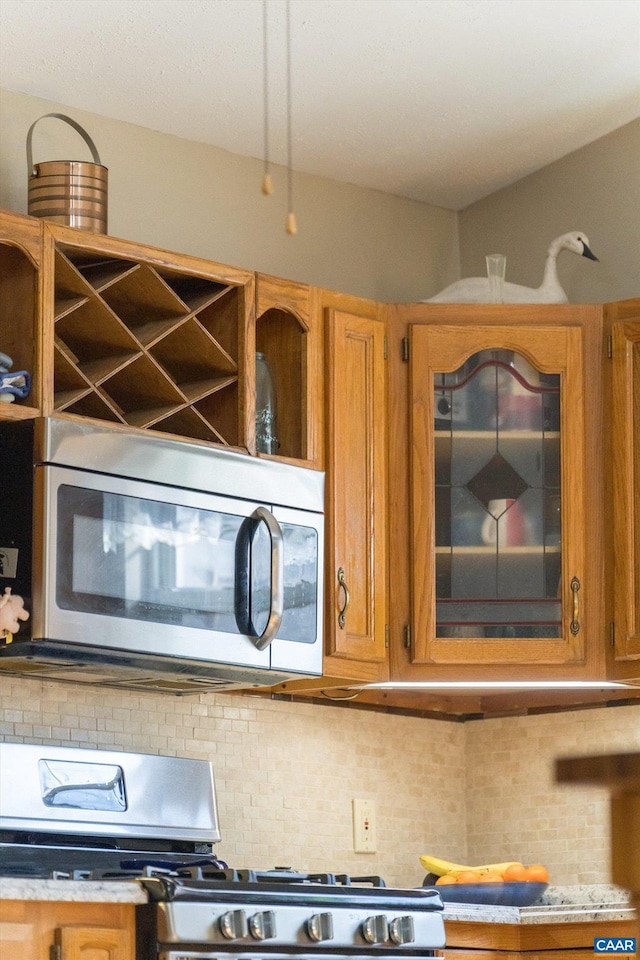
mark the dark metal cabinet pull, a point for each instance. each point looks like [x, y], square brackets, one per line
[342, 584]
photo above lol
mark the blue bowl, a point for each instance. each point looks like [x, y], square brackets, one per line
[517, 893]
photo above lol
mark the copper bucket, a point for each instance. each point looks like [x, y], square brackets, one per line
[71, 192]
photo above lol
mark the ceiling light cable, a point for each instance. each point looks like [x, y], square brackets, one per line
[291, 225]
[267, 182]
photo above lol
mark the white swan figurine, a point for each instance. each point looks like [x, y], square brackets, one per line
[476, 289]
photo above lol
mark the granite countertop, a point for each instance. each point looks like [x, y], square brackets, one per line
[86, 891]
[571, 904]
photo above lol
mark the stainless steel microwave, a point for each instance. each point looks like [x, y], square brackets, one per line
[156, 563]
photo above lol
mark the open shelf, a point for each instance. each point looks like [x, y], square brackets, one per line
[282, 339]
[19, 323]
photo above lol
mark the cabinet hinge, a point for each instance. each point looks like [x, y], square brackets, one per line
[55, 952]
[612, 634]
[609, 347]
[405, 349]
[386, 349]
[386, 636]
[406, 635]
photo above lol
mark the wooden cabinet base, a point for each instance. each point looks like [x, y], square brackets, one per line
[583, 953]
[79, 931]
[570, 941]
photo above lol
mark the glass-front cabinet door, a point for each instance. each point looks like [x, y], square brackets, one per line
[497, 490]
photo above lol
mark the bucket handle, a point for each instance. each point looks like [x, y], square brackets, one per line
[72, 123]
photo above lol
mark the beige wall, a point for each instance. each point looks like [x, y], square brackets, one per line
[192, 198]
[595, 189]
[287, 772]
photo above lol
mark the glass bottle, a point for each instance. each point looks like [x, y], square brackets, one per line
[266, 413]
[496, 268]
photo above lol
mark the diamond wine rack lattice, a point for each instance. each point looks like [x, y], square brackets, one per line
[147, 346]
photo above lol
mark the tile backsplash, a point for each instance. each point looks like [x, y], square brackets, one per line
[514, 808]
[286, 774]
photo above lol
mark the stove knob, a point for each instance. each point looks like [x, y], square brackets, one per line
[262, 926]
[320, 927]
[376, 929]
[401, 930]
[233, 925]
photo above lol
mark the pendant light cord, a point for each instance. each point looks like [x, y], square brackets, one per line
[291, 225]
[267, 183]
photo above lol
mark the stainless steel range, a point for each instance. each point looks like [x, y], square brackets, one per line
[93, 814]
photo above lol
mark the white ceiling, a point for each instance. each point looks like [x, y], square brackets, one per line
[443, 101]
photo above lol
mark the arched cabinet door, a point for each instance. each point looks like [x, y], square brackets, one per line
[498, 506]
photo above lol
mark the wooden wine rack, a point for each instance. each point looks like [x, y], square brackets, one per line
[116, 331]
[147, 345]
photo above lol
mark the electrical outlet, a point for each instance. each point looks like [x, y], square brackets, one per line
[364, 826]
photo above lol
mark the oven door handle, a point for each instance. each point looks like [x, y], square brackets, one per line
[243, 577]
[51, 793]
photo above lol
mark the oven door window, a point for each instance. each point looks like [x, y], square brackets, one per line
[148, 560]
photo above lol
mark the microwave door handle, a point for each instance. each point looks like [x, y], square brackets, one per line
[277, 577]
[243, 619]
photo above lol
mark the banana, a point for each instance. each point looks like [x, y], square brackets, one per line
[441, 867]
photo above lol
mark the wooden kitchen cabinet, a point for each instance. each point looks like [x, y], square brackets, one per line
[116, 331]
[579, 953]
[92, 943]
[573, 940]
[356, 568]
[483, 601]
[590, 438]
[288, 333]
[490, 409]
[356, 609]
[44, 930]
[622, 493]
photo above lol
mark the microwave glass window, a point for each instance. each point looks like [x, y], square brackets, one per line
[300, 583]
[165, 563]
